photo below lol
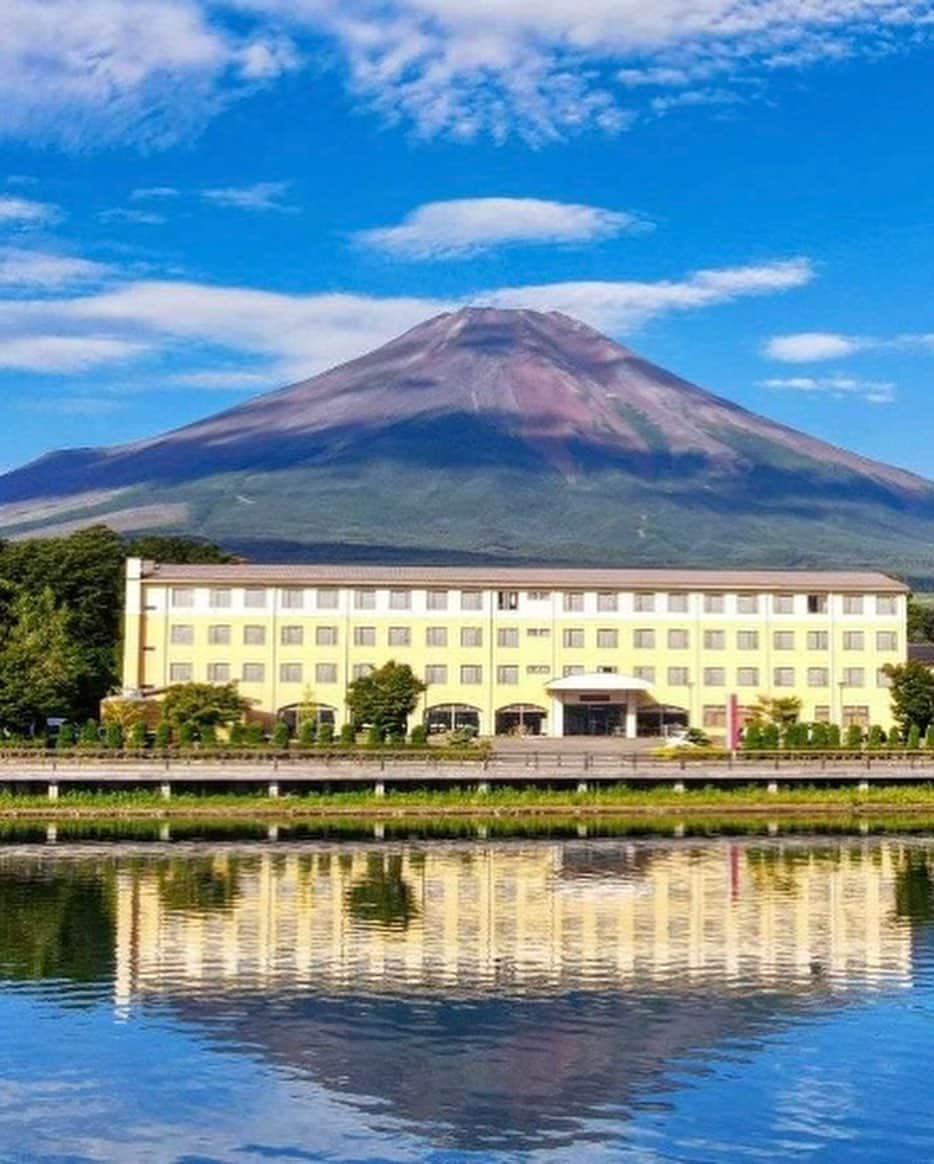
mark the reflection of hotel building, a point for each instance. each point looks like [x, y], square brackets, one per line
[558, 651]
[525, 919]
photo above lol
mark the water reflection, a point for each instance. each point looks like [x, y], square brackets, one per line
[503, 996]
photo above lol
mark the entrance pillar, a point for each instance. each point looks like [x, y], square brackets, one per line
[557, 717]
[631, 721]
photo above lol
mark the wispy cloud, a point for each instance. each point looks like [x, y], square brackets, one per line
[142, 193]
[810, 347]
[28, 269]
[24, 212]
[64, 353]
[838, 387]
[261, 196]
[127, 214]
[466, 226]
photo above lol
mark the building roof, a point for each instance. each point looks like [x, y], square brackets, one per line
[527, 577]
[599, 681]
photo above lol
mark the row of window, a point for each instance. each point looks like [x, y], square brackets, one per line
[470, 674]
[572, 637]
[714, 715]
[328, 598]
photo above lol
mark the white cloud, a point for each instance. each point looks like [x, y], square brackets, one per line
[839, 387]
[465, 226]
[301, 334]
[146, 192]
[124, 214]
[23, 212]
[34, 269]
[812, 346]
[260, 196]
[63, 353]
[224, 380]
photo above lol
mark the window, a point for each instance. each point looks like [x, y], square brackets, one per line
[507, 600]
[325, 636]
[607, 670]
[327, 598]
[254, 636]
[714, 677]
[361, 670]
[436, 673]
[573, 669]
[855, 715]
[747, 603]
[822, 713]
[853, 676]
[507, 675]
[182, 635]
[364, 600]
[714, 640]
[852, 604]
[646, 674]
[183, 596]
[436, 600]
[292, 636]
[292, 598]
[400, 599]
[180, 672]
[783, 640]
[747, 640]
[783, 677]
[886, 641]
[608, 639]
[886, 604]
[254, 598]
[643, 602]
[883, 680]
[854, 641]
[818, 640]
[400, 636]
[714, 716]
[573, 637]
[254, 672]
[783, 604]
[714, 604]
[643, 639]
[436, 636]
[607, 601]
[538, 595]
[364, 636]
[817, 604]
[678, 640]
[325, 672]
[290, 672]
[539, 632]
[538, 669]
[747, 677]
[218, 636]
[677, 603]
[507, 636]
[471, 636]
[818, 677]
[574, 602]
[218, 672]
[471, 674]
[678, 677]
[220, 597]
[471, 600]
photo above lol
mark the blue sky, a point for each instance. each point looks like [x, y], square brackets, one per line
[204, 199]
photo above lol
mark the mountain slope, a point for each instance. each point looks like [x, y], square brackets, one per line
[497, 433]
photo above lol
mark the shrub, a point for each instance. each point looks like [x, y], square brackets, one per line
[348, 735]
[307, 733]
[89, 737]
[163, 735]
[253, 735]
[236, 737]
[752, 737]
[374, 736]
[770, 738]
[894, 738]
[394, 740]
[914, 737]
[463, 736]
[113, 737]
[280, 736]
[186, 734]
[326, 734]
[66, 736]
[833, 736]
[137, 737]
[208, 735]
[818, 739]
[418, 736]
[929, 736]
[876, 737]
[854, 736]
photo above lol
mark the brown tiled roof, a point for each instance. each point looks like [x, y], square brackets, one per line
[533, 578]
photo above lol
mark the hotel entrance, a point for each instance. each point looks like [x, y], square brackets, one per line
[595, 719]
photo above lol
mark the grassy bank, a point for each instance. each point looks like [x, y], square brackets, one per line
[427, 804]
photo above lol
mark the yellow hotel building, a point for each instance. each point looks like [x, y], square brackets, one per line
[548, 651]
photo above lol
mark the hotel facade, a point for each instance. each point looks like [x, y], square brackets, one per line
[539, 651]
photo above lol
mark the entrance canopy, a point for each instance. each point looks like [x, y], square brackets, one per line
[598, 681]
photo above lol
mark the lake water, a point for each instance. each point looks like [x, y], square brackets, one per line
[562, 999]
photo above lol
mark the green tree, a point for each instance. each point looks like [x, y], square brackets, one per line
[781, 710]
[163, 735]
[181, 551]
[325, 735]
[929, 736]
[912, 693]
[854, 736]
[833, 736]
[90, 736]
[114, 736]
[752, 737]
[201, 704]
[280, 736]
[876, 738]
[913, 739]
[770, 737]
[66, 736]
[920, 621]
[348, 735]
[137, 735]
[385, 698]
[307, 732]
[40, 666]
